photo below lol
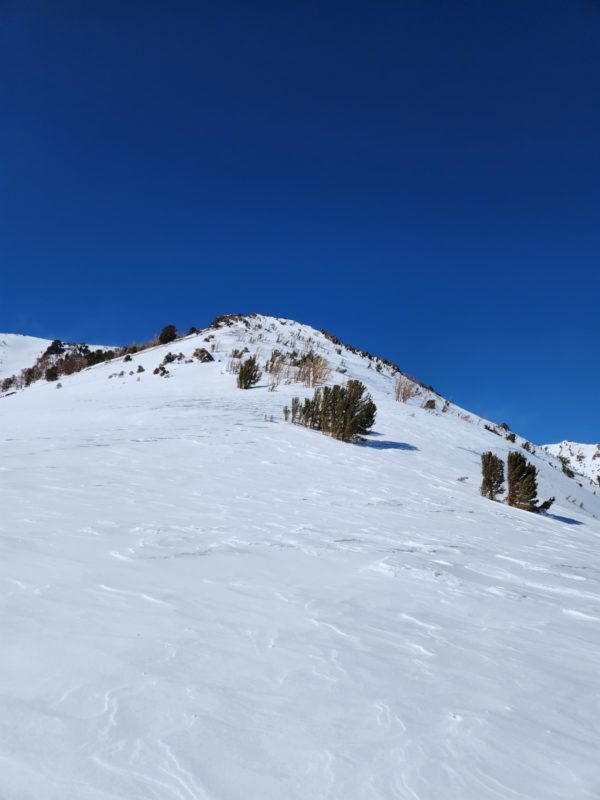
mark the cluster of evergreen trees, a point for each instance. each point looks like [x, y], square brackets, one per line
[522, 481]
[344, 412]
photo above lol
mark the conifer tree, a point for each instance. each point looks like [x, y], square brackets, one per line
[517, 470]
[492, 469]
[295, 409]
[168, 334]
[361, 408]
[522, 485]
[528, 498]
[249, 374]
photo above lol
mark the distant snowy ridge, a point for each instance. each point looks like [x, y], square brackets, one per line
[18, 352]
[583, 459]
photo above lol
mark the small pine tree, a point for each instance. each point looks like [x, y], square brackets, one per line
[168, 334]
[492, 470]
[517, 472]
[52, 374]
[522, 485]
[295, 415]
[249, 374]
[360, 410]
[528, 489]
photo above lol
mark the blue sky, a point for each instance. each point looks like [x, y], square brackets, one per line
[420, 177]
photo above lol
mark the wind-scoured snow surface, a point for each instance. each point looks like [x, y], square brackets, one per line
[582, 458]
[200, 602]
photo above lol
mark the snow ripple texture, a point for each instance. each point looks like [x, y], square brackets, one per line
[203, 602]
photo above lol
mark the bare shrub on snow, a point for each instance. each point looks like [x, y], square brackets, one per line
[405, 389]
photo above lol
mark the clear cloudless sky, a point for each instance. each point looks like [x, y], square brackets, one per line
[421, 177]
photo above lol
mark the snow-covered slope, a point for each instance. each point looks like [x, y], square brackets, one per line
[18, 352]
[202, 601]
[581, 458]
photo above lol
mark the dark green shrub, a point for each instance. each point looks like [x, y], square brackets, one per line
[168, 334]
[510, 437]
[51, 374]
[429, 405]
[56, 348]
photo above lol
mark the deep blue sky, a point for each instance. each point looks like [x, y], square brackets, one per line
[420, 177]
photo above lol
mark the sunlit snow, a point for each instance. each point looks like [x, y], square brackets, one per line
[201, 601]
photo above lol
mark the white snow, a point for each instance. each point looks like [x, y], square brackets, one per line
[18, 352]
[203, 602]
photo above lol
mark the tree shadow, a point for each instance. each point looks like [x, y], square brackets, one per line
[386, 445]
[566, 520]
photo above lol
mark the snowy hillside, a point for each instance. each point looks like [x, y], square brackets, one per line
[18, 352]
[202, 601]
[583, 459]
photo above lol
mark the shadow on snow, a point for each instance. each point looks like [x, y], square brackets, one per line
[385, 445]
[566, 520]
